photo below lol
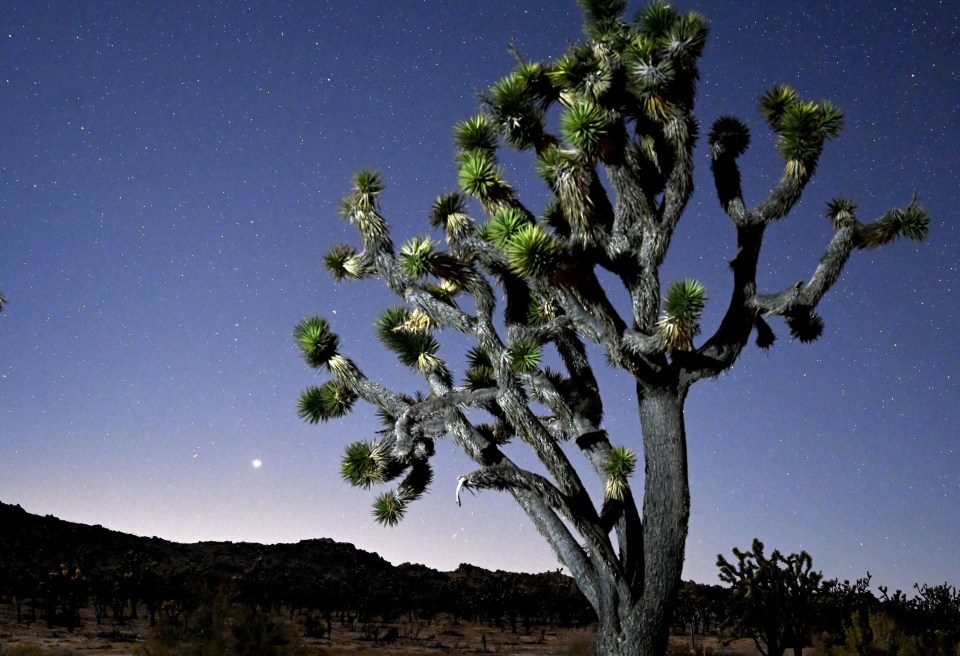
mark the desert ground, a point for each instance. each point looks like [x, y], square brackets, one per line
[442, 636]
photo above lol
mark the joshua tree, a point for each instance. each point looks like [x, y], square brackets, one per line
[612, 130]
[776, 601]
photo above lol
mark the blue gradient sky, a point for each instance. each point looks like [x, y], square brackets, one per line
[169, 174]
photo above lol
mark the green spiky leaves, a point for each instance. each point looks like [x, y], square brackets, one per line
[343, 262]
[364, 464]
[416, 256]
[504, 224]
[359, 207]
[531, 252]
[480, 378]
[317, 342]
[367, 186]
[774, 103]
[448, 213]
[480, 370]
[329, 401]
[911, 222]
[413, 344]
[512, 105]
[728, 137]
[803, 127]
[686, 39]
[602, 10]
[657, 19]
[618, 468]
[680, 322]
[841, 212]
[524, 355]
[914, 223]
[389, 508]
[584, 125]
[476, 133]
[479, 176]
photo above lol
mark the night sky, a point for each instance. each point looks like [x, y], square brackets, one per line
[169, 175]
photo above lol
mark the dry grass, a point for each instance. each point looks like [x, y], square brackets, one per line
[413, 639]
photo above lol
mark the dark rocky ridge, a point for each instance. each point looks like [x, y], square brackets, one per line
[66, 564]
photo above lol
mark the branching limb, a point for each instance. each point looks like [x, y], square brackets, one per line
[507, 476]
[796, 303]
[429, 416]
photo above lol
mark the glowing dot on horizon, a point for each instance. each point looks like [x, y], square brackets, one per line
[257, 463]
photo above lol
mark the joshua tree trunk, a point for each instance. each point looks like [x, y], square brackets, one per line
[639, 623]
[666, 509]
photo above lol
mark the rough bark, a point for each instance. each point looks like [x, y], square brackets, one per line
[639, 623]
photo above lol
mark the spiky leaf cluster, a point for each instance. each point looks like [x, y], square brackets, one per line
[601, 10]
[448, 212]
[512, 104]
[480, 373]
[680, 322]
[656, 19]
[364, 464]
[774, 103]
[389, 508]
[479, 175]
[342, 262]
[540, 310]
[416, 256]
[531, 252]
[476, 133]
[618, 468]
[503, 225]
[841, 212]
[549, 164]
[367, 186]
[660, 61]
[584, 126]
[329, 401]
[803, 127]
[317, 342]
[359, 208]
[914, 223]
[729, 136]
[524, 355]
[805, 325]
[414, 347]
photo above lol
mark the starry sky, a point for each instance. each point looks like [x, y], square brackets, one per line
[169, 175]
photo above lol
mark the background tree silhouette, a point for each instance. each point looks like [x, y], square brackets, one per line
[778, 601]
[622, 102]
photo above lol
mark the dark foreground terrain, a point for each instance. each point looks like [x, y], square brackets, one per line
[68, 588]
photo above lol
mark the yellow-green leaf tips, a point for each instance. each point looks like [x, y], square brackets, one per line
[618, 468]
[316, 341]
[329, 401]
[363, 463]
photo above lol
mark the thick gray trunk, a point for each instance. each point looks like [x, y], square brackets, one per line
[666, 509]
[640, 626]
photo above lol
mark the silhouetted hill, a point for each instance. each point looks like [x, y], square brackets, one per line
[49, 557]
